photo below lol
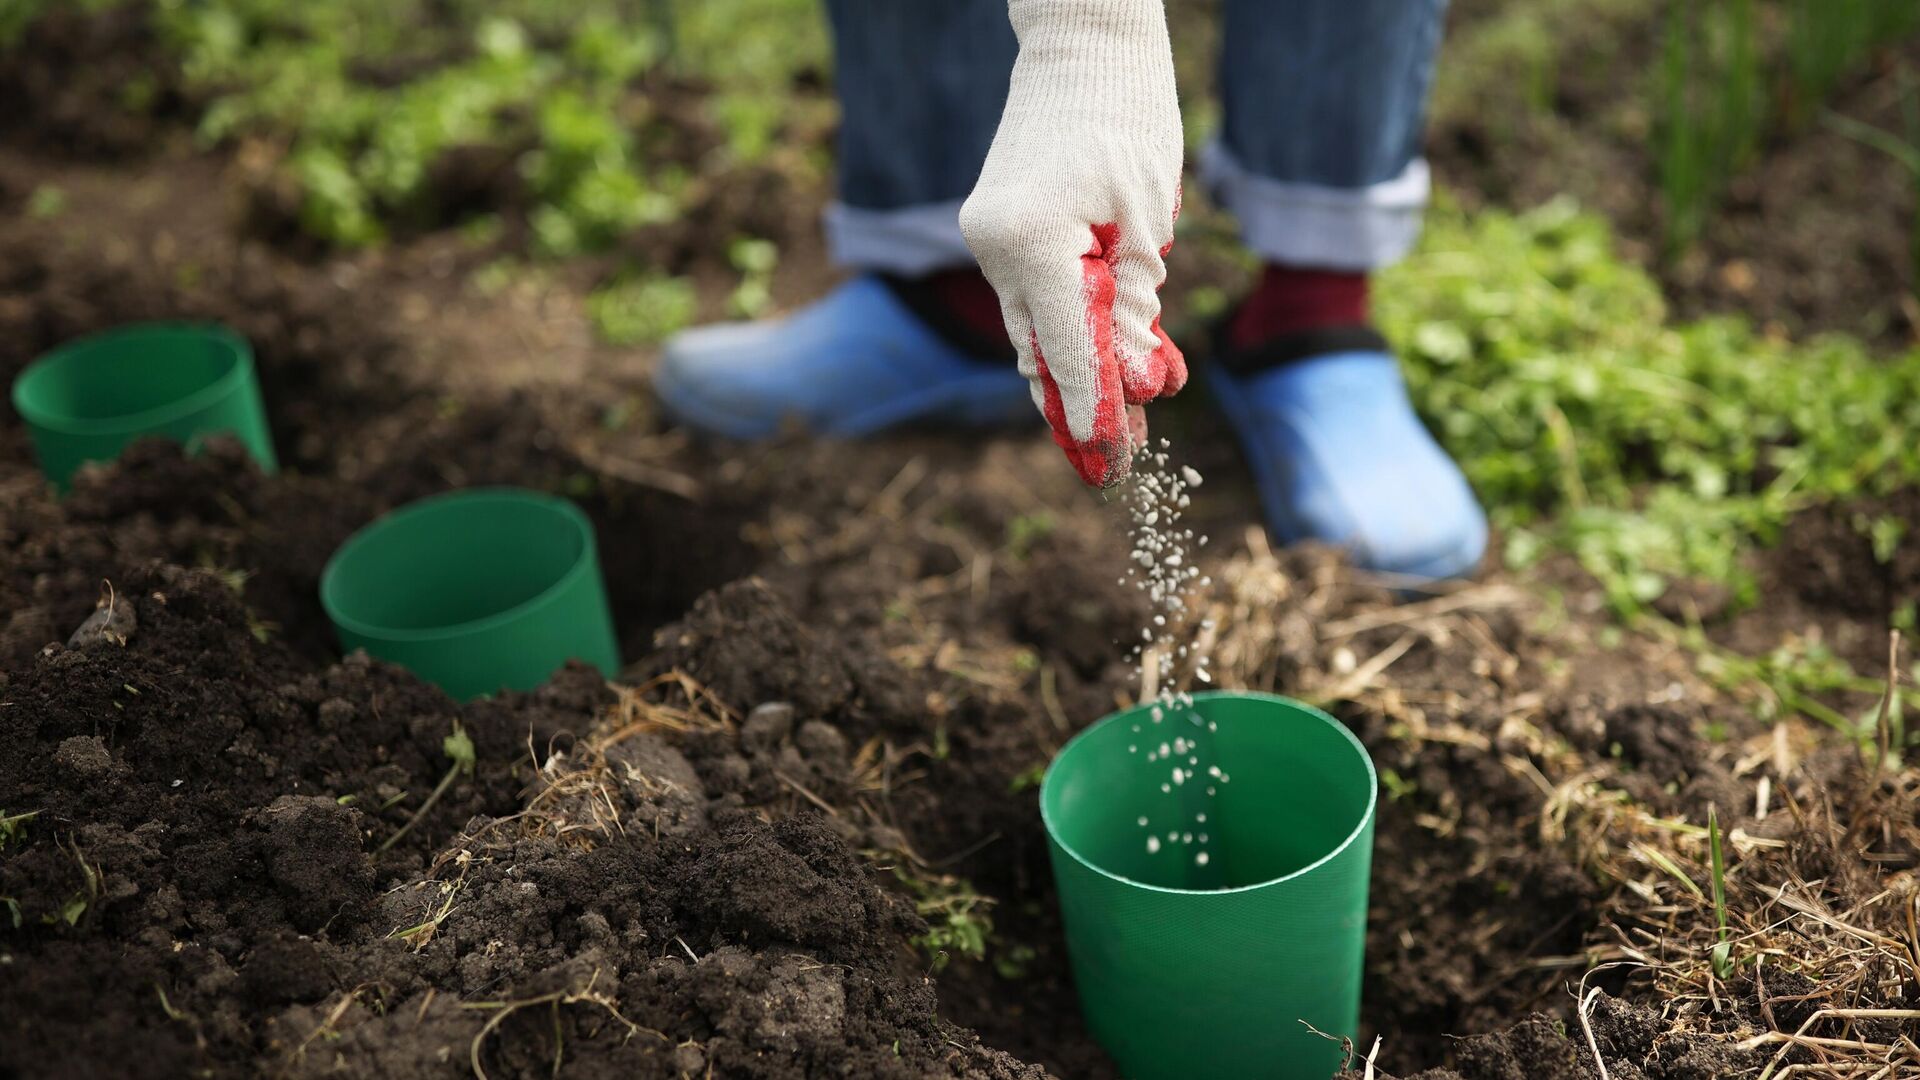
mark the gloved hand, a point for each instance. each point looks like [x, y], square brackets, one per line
[1073, 215]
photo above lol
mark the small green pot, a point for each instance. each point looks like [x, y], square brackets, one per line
[1190, 966]
[88, 399]
[474, 591]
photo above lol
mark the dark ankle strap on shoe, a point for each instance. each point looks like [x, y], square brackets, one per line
[1288, 348]
[924, 300]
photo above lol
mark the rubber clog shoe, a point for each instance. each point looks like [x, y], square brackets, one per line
[854, 363]
[1339, 456]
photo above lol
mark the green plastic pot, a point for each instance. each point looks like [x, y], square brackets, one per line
[1190, 966]
[88, 399]
[474, 591]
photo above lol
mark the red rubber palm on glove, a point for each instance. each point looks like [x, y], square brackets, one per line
[1073, 216]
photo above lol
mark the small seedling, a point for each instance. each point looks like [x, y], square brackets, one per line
[755, 260]
[76, 905]
[13, 827]
[1028, 779]
[420, 933]
[457, 746]
[642, 310]
[956, 914]
[1011, 962]
[47, 201]
[1723, 948]
[1026, 530]
[1398, 787]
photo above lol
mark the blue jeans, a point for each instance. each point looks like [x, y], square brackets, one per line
[1318, 155]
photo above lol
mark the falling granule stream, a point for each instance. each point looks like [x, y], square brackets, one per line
[1162, 566]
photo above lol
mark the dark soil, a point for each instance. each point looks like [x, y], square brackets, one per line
[94, 85]
[1832, 560]
[1633, 1040]
[860, 714]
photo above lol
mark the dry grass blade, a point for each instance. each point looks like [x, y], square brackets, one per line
[1586, 1026]
[638, 473]
[1484, 596]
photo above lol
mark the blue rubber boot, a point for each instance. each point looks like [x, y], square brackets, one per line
[852, 364]
[1340, 457]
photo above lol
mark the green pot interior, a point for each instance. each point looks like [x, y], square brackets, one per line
[456, 563]
[1294, 788]
[129, 378]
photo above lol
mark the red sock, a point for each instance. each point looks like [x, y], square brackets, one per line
[961, 307]
[1290, 299]
[966, 294]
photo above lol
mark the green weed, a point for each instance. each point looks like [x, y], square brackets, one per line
[1026, 530]
[1012, 961]
[13, 827]
[1723, 948]
[1828, 39]
[458, 746]
[47, 201]
[642, 310]
[1546, 365]
[1398, 787]
[75, 907]
[956, 915]
[754, 260]
[368, 97]
[1028, 779]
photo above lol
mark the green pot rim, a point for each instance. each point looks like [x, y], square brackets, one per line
[1359, 830]
[237, 375]
[582, 566]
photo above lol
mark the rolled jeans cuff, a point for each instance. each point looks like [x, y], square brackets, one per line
[1313, 225]
[911, 241]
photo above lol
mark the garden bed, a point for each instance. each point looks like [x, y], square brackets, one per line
[798, 835]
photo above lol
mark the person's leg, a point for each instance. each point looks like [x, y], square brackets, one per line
[917, 333]
[1324, 104]
[921, 85]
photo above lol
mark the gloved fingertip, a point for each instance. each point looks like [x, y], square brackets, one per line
[1100, 465]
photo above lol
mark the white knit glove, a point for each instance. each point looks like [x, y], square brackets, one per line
[1073, 215]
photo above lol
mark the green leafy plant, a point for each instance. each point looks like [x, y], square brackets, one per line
[755, 261]
[366, 99]
[1586, 421]
[956, 915]
[642, 310]
[1028, 779]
